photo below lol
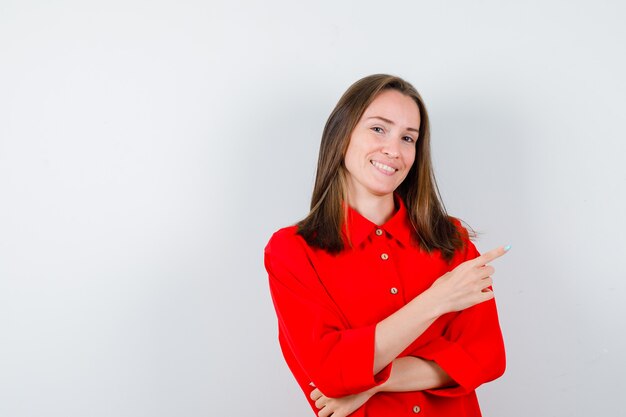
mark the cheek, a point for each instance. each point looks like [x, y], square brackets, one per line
[409, 158]
[347, 158]
[355, 154]
[350, 162]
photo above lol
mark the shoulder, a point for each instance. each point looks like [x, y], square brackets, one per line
[468, 250]
[458, 224]
[287, 245]
[290, 261]
[284, 239]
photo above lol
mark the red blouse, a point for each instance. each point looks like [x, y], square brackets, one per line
[328, 306]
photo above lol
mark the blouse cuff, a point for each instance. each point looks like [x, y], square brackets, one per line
[358, 356]
[456, 362]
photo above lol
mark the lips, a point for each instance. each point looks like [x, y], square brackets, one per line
[384, 168]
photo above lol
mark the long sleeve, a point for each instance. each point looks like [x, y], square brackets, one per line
[336, 358]
[471, 349]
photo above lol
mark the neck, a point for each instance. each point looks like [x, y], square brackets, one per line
[377, 209]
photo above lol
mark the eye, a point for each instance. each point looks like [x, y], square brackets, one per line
[378, 129]
[408, 139]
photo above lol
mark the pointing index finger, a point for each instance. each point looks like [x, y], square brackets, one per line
[487, 257]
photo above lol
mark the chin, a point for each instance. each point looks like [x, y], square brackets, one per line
[382, 192]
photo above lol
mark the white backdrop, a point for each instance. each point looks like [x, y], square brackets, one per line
[148, 149]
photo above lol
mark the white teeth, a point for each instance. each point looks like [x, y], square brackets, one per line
[383, 166]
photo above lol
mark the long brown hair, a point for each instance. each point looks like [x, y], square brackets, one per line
[433, 228]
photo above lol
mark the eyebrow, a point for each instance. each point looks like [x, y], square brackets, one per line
[392, 123]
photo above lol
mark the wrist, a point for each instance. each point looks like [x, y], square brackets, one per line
[386, 385]
[432, 304]
[378, 388]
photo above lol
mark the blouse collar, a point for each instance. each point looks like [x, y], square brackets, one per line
[358, 227]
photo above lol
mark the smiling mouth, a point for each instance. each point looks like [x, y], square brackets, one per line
[385, 168]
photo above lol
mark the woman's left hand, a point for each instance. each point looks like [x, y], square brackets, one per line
[339, 407]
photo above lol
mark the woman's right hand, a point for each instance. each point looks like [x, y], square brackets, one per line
[466, 285]
[340, 407]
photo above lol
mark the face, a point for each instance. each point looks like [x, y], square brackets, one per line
[382, 146]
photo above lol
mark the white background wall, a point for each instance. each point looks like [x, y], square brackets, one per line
[148, 149]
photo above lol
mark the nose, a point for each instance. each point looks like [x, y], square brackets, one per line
[391, 149]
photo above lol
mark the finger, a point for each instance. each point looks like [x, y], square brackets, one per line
[487, 257]
[321, 402]
[486, 284]
[325, 412]
[315, 394]
[486, 270]
[486, 295]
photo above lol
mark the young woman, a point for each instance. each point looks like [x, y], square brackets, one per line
[384, 305]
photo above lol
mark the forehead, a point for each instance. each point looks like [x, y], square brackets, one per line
[395, 106]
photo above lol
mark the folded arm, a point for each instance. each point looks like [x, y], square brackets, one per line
[470, 352]
[342, 360]
[407, 374]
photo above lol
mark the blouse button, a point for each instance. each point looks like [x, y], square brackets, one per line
[379, 232]
[384, 256]
[416, 409]
[393, 290]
